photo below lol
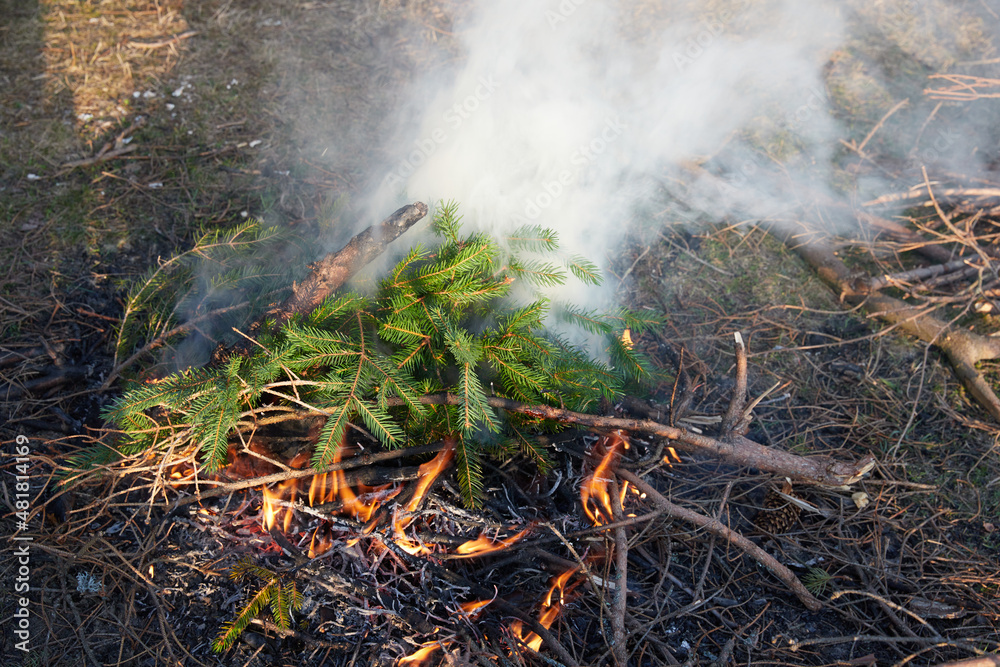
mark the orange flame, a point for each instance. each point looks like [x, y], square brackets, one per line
[421, 655]
[361, 502]
[429, 472]
[532, 640]
[559, 583]
[399, 523]
[320, 543]
[483, 545]
[401, 519]
[331, 486]
[596, 485]
[549, 611]
[271, 508]
[473, 607]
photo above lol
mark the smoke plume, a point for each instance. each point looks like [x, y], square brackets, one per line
[579, 114]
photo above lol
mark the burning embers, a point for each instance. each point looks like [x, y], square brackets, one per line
[422, 655]
[391, 513]
[551, 607]
[594, 493]
[329, 488]
[332, 492]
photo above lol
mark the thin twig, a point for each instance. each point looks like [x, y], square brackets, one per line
[173, 39]
[619, 647]
[879, 124]
[736, 539]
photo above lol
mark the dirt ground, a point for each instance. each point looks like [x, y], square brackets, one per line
[128, 129]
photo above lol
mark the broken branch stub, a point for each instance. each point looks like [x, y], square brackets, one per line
[734, 422]
[330, 273]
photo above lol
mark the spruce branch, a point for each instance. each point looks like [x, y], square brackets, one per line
[281, 597]
[442, 319]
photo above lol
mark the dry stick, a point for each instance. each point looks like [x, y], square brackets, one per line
[733, 421]
[331, 272]
[720, 529]
[619, 648]
[173, 39]
[110, 150]
[932, 250]
[59, 376]
[964, 88]
[734, 449]
[81, 633]
[860, 148]
[103, 155]
[921, 274]
[964, 349]
[920, 192]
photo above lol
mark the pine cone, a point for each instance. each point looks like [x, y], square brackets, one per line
[778, 514]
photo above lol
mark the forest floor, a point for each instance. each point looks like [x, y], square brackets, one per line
[127, 129]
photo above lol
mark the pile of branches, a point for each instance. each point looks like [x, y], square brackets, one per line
[408, 367]
[425, 558]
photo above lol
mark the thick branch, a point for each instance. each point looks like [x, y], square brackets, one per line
[964, 349]
[331, 272]
[720, 529]
[734, 449]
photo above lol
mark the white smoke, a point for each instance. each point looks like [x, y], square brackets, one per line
[574, 114]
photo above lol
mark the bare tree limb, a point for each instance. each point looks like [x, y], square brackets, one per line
[331, 272]
[964, 349]
[734, 449]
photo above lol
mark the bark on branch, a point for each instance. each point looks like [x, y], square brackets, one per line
[964, 349]
[734, 449]
[330, 273]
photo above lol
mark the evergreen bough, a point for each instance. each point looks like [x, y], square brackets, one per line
[464, 317]
[275, 593]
